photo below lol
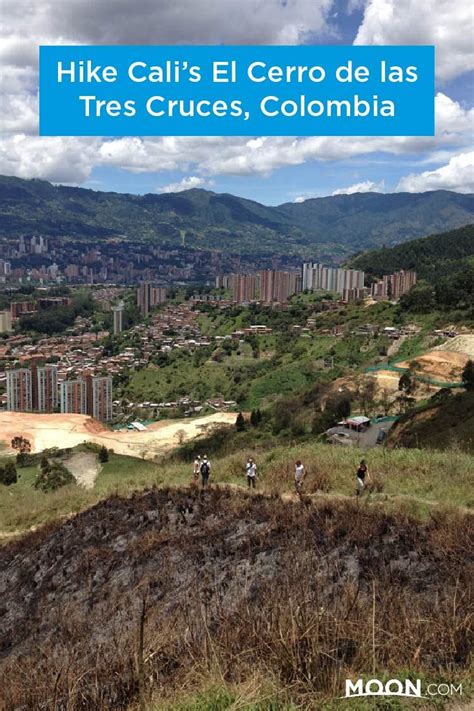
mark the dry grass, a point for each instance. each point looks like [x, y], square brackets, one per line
[419, 480]
[236, 589]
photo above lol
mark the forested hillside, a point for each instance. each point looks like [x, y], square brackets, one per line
[431, 257]
[321, 227]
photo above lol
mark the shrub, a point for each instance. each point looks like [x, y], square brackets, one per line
[240, 423]
[8, 474]
[53, 476]
[103, 455]
[468, 376]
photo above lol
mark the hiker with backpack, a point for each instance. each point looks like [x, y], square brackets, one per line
[251, 472]
[299, 476]
[205, 470]
[362, 472]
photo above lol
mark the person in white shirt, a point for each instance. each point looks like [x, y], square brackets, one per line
[251, 471]
[197, 467]
[299, 476]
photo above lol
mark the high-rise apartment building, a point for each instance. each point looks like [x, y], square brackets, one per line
[144, 298]
[19, 390]
[6, 322]
[46, 386]
[278, 285]
[402, 282]
[118, 318]
[149, 296]
[315, 276]
[224, 281]
[73, 397]
[159, 294]
[244, 287]
[99, 397]
[91, 395]
[392, 286]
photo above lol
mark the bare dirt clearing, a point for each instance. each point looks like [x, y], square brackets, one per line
[84, 467]
[459, 344]
[47, 431]
[441, 365]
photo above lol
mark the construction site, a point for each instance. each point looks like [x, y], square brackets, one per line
[45, 431]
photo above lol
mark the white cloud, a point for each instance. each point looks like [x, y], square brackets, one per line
[193, 181]
[457, 175]
[186, 21]
[62, 160]
[443, 23]
[221, 155]
[367, 186]
[24, 24]
[300, 198]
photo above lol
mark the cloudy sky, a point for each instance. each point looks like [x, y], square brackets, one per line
[271, 170]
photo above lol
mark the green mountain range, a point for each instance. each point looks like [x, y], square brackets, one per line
[331, 226]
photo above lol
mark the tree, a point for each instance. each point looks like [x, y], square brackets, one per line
[343, 408]
[103, 455]
[405, 384]
[53, 476]
[468, 376]
[180, 436]
[420, 298]
[255, 418]
[240, 423]
[21, 444]
[8, 474]
[366, 394]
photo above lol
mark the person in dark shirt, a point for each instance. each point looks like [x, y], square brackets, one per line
[362, 473]
[205, 471]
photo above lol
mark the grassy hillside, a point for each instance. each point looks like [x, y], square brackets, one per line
[223, 221]
[331, 472]
[441, 424]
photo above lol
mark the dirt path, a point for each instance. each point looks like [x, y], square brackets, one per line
[395, 346]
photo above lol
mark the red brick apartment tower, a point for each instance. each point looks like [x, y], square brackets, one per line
[73, 397]
[46, 386]
[19, 390]
[99, 397]
[244, 287]
[266, 285]
[19, 308]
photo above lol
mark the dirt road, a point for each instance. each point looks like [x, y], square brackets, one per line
[57, 430]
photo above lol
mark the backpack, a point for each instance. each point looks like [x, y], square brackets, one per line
[205, 469]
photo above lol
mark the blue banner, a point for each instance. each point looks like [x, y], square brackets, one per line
[236, 91]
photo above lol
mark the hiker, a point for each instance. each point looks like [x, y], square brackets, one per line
[299, 476]
[205, 470]
[362, 472]
[197, 467]
[251, 471]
